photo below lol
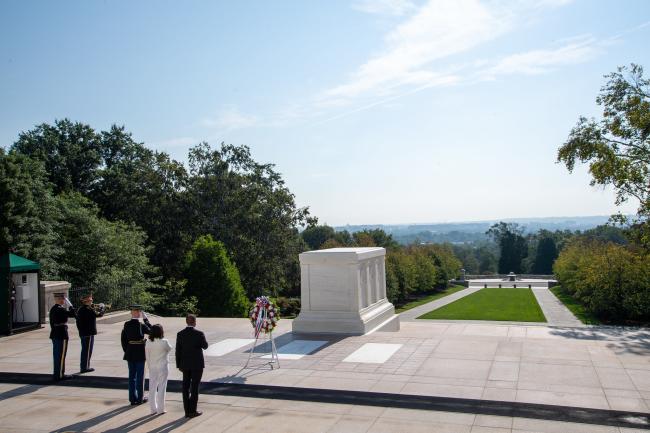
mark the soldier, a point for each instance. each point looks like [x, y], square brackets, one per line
[133, 342]
[87, 326]
[59, 333]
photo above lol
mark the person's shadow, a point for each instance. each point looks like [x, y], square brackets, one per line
[82, 426]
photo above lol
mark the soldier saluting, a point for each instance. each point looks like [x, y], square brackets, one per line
[87, 326]
[133, 342]
[59, 315]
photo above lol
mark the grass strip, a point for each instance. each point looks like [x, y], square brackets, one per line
[505, 304]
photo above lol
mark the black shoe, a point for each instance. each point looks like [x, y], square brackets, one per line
[195, 414]
[134, 403]
[86, 370]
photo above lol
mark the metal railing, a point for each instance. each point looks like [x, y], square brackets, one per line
[115, 298]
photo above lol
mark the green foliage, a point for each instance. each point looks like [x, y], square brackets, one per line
[247, 206]
[616, 147]
[516, 305]
[214, 280]
[101, 254]
[429, 298]
[513, 247]
[610, 280]
[70, 152]
[173, 300]
[289, 307]
[315, 236]
[545, 254]
[28, 212]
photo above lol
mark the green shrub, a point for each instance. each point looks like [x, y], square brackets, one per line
[214, 280]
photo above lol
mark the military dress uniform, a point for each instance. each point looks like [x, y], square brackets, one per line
[133, 342]
[59, 335]
[87, 326]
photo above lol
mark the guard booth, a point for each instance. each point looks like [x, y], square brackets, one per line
[19, 294]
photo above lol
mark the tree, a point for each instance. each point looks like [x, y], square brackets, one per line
[28, 212]
[214, 280]
[513, 247]
[315, 236]
[617, 147]
[545, 254]
[70, 152]
[247, 206]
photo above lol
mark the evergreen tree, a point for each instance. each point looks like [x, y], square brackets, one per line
[214, 280]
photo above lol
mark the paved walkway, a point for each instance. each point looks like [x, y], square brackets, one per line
[554, 310]
[414, 313]
[52, 409]
[594, 367]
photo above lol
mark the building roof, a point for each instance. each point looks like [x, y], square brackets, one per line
[18, 264]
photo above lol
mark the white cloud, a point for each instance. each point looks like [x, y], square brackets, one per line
[439, 29]
[384, 7]
[230, 118]
[543, 61]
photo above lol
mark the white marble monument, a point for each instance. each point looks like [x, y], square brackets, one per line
[343, 291]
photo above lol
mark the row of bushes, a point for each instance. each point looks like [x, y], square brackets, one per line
[418, 269]
[612, 281]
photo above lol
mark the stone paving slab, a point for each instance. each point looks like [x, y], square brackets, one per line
[597, 367]
[556, 313]
[35, 409]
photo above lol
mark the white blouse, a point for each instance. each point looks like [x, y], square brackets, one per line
[156, 352]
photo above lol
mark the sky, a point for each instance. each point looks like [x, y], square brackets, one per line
[374, 112]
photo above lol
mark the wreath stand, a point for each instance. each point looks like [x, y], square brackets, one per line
[274, 353]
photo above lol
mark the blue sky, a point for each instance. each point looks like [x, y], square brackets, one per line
[386, 111]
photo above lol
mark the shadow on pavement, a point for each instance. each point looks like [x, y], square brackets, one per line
[84, 425]
[17, 392]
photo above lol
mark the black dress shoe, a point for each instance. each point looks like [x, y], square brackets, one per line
[195, 414]
[87, 370]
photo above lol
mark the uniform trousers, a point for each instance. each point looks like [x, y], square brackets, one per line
[136, 381]
[87, 343]
[59, 352]
[157, 387]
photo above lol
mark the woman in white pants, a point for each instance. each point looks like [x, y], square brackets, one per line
[156, 351]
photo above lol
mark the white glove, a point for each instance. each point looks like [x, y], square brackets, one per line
[102, 306]
[144, 316]
[68, 303]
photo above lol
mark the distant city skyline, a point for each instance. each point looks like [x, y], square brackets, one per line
[374, 112]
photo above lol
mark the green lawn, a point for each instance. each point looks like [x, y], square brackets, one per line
[513, 305]
[575, 306]
[428, 298]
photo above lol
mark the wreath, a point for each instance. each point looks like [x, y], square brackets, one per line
[264, 316]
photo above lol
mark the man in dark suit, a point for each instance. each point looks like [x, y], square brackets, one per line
[59, 314]
[133, 345]
[190, 343]
[87, 326]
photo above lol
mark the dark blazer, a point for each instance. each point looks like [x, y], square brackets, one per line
[190, 343]
[133, 339]
[59, 321]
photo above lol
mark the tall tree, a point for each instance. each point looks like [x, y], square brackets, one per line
[247, 206]
[70, 151]
[545, 254]
[513, 247]
[617, 146]
[214, 280]
[316, 235]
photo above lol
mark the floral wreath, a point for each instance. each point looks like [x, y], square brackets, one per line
[264, 316]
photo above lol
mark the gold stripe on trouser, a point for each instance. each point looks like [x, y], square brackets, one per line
[88, 352]
[63, 351]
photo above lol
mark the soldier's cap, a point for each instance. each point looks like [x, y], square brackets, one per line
[59, 294]
[136, 307]
[86, 296]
